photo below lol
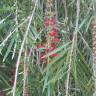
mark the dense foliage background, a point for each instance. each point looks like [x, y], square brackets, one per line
[22, 29]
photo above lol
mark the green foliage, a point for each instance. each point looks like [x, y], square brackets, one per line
[75, 49]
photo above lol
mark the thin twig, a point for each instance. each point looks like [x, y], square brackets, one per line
[65, 7]
[16, 20]
[72, 49]
[25, 86]
[56, 9]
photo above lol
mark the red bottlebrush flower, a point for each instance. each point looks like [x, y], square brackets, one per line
[54, 55]
[40, 46]
[55, 29]
[52, 21]
[48, 21]
[46, 24]
[53, 45]
[42, 56]
[56, 40]
[53, 48]
[54, 33]
[47, 50]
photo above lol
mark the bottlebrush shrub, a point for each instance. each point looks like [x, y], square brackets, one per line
[53, 34]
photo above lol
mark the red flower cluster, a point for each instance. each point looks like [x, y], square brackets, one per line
[40, 46]
[56, 40]
[54, 34]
